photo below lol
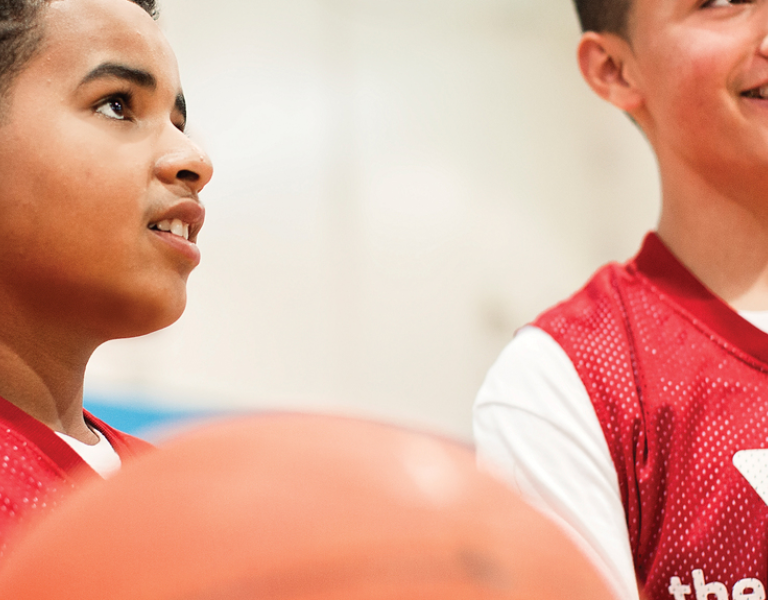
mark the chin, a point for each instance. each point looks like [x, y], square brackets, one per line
[137, 318]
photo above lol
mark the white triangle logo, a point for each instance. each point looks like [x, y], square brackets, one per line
[753, 465]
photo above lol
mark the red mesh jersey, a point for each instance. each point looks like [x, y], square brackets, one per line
[679, 382]
[38, 468]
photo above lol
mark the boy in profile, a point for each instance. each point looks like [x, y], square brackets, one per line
[636, 411]
[99, 213]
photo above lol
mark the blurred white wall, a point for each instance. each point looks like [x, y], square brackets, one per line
[399, 185]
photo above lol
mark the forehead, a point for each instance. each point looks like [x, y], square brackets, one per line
[78, 35]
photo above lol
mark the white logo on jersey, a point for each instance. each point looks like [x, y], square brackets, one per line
[753, 465]
[745, 589]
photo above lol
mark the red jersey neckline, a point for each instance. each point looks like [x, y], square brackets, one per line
[51, 445]
[56, 449]
[665, 272]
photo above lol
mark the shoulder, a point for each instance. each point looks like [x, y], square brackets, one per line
[21, 459]
[31, 483]
[534, 387]
[531, 363]
[597, 304]
[533, 398]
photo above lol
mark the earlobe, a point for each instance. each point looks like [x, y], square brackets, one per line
[604, 60]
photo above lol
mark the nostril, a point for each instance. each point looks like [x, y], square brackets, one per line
[186, 175]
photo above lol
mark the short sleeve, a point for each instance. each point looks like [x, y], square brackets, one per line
[535, 427]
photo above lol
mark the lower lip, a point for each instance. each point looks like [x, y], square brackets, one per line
[753, 99]
[184, 247]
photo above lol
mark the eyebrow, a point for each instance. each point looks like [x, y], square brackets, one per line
[139, 77]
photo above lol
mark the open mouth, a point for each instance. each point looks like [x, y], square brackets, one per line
[758, 92]
[173, 226]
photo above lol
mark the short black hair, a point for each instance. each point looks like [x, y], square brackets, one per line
[20, 34]
[604, 16]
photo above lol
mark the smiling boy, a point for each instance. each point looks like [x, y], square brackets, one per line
[636, 412]
[99, 213]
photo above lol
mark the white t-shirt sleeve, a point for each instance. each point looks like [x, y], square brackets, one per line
[535, 427]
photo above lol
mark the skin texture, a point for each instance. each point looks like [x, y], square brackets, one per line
[85, 172]
[681, 75]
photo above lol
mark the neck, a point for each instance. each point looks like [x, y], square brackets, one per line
[722, 238]
[42, 371]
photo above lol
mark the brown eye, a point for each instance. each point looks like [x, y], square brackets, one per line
[113, 107]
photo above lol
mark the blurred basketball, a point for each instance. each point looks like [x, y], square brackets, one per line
[291, 507]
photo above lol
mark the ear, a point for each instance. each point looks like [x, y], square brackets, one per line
[606, 62]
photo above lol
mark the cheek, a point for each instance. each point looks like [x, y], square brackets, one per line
[685, 80]
[65, 208]
[91, 183]
[691, 93]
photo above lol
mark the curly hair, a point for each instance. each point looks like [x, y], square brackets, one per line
[21, 34]
[605, 16]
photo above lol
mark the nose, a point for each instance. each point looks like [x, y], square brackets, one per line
[184, 163]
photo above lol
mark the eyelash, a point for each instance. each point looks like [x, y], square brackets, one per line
[126, 101]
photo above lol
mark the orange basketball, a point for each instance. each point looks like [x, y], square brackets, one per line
[291, 507]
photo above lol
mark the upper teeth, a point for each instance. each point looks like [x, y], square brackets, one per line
[175, 226]
[761, 92]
